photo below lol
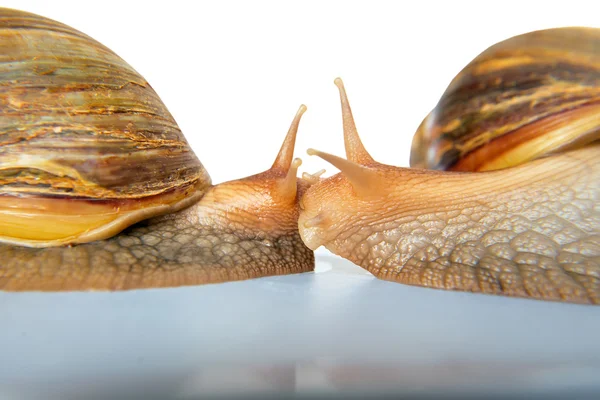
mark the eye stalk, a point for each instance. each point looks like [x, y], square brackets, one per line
[365, 180]
[355, 150]
[284, 158]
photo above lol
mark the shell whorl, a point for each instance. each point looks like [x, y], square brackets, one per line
[510, 95]
[87, 147]
[78, 121]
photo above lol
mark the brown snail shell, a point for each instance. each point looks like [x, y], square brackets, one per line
[527, 112]
[87, 149]
[524, 98]
[80, 129]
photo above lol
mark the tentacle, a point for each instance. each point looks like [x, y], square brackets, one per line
[284, 158]
[288, 186]
[364, 180]
[355, 150]
[314, 177]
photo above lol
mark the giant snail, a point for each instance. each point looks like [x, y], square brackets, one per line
[88, 151]
[510, 202]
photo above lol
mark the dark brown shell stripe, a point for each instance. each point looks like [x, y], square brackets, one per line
[76, 120]
[508, 87]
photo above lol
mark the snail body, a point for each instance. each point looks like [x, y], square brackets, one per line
[88, 150]
[503, 196]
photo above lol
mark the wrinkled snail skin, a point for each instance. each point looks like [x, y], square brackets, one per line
[87, 150]
[530, 233]
[527, 229]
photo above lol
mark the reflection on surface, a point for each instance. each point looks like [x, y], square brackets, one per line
[338, 330]
[324, 378]
[450, 377]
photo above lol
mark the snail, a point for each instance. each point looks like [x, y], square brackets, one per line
[503, 193]
[99, 189]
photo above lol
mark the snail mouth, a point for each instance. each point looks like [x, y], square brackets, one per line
[47, 222]
[310, 230]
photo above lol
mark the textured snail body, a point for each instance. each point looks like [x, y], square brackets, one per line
[527, 112]
[87, 150]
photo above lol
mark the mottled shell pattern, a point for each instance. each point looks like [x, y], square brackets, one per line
[81, 130]
[524, 98]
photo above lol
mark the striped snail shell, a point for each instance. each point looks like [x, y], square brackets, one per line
[527, 97]
[81, 131]
[503, 196]
[88, 149]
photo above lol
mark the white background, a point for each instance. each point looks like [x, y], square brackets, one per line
[234, 73]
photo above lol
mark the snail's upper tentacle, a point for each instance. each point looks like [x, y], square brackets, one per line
[355, 150]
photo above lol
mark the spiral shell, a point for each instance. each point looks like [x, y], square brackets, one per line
[82, 134]
[521, 99]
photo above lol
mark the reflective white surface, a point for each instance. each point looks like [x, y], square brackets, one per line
[337, 330]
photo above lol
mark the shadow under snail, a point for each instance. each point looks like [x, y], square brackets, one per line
[100, 190]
